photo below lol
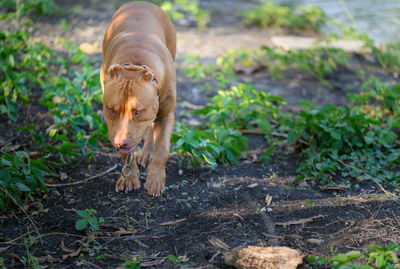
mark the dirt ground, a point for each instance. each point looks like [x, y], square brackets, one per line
[248, 204]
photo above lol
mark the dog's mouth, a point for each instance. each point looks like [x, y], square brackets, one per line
[127, 150]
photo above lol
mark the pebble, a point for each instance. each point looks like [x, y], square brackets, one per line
[315, 241]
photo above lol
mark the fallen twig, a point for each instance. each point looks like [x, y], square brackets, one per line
[299, 221]
[81, 181]
[172, 222]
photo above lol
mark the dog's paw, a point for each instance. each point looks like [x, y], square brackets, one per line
[155, 183]
[127, 184]
[145, 156]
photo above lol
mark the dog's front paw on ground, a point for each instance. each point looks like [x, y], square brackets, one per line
[127, 184]
[145, 156]
[155, 183]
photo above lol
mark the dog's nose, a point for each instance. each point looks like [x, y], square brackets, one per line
[122, 143]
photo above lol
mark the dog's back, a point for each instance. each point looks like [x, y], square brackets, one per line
[141, 18]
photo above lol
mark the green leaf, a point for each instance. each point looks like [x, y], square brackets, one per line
[83, 213]
[336, 135]
[20, 186]
[94, 223]
[81, 224]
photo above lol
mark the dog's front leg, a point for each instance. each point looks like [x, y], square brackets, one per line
[146, 153]
[162, 131]
[132, 181]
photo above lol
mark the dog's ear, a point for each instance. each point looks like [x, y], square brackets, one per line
[114, 69]
[149, 76]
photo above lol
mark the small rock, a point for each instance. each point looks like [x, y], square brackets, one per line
[303, 184]
[315, 241]
[251, 186]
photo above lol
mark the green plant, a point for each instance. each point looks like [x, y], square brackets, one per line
[179, 9]
[88, 219]
[376, 257]
[30, 261]
[243, 107]
[269, 14]
[134, 263]
[388, 56]
[23, 64]
[30, 7]
[20, 178]
[380, 100]
[212, 146]
[175, 259]
[342, 139]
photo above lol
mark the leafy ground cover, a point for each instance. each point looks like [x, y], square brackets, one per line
[250, 163]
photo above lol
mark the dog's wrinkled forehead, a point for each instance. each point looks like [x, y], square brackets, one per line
[131, 72]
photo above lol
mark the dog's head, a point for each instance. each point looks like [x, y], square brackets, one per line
[130, 104]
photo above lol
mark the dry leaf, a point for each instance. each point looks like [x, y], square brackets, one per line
[152, 263]
[122, 232]
[300, 221]
[72, 254]
[63, 176]
[66, 249]
[15, 256]
[47, 258]
[337, 188]
[49, 180]
[34, 154]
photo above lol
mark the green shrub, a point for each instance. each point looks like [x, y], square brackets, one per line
[344, 141]
[211, 146]
[20, 178]
[23, 65]
[269, 14]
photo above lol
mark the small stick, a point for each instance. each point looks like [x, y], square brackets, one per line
[81, 181]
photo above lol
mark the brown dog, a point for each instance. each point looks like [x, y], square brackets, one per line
[138, 80]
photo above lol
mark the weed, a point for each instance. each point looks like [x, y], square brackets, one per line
[269, 14]
[30, 261]
[88, 219]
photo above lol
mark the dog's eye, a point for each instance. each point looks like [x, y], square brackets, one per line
[111, 110]
[137, 112]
